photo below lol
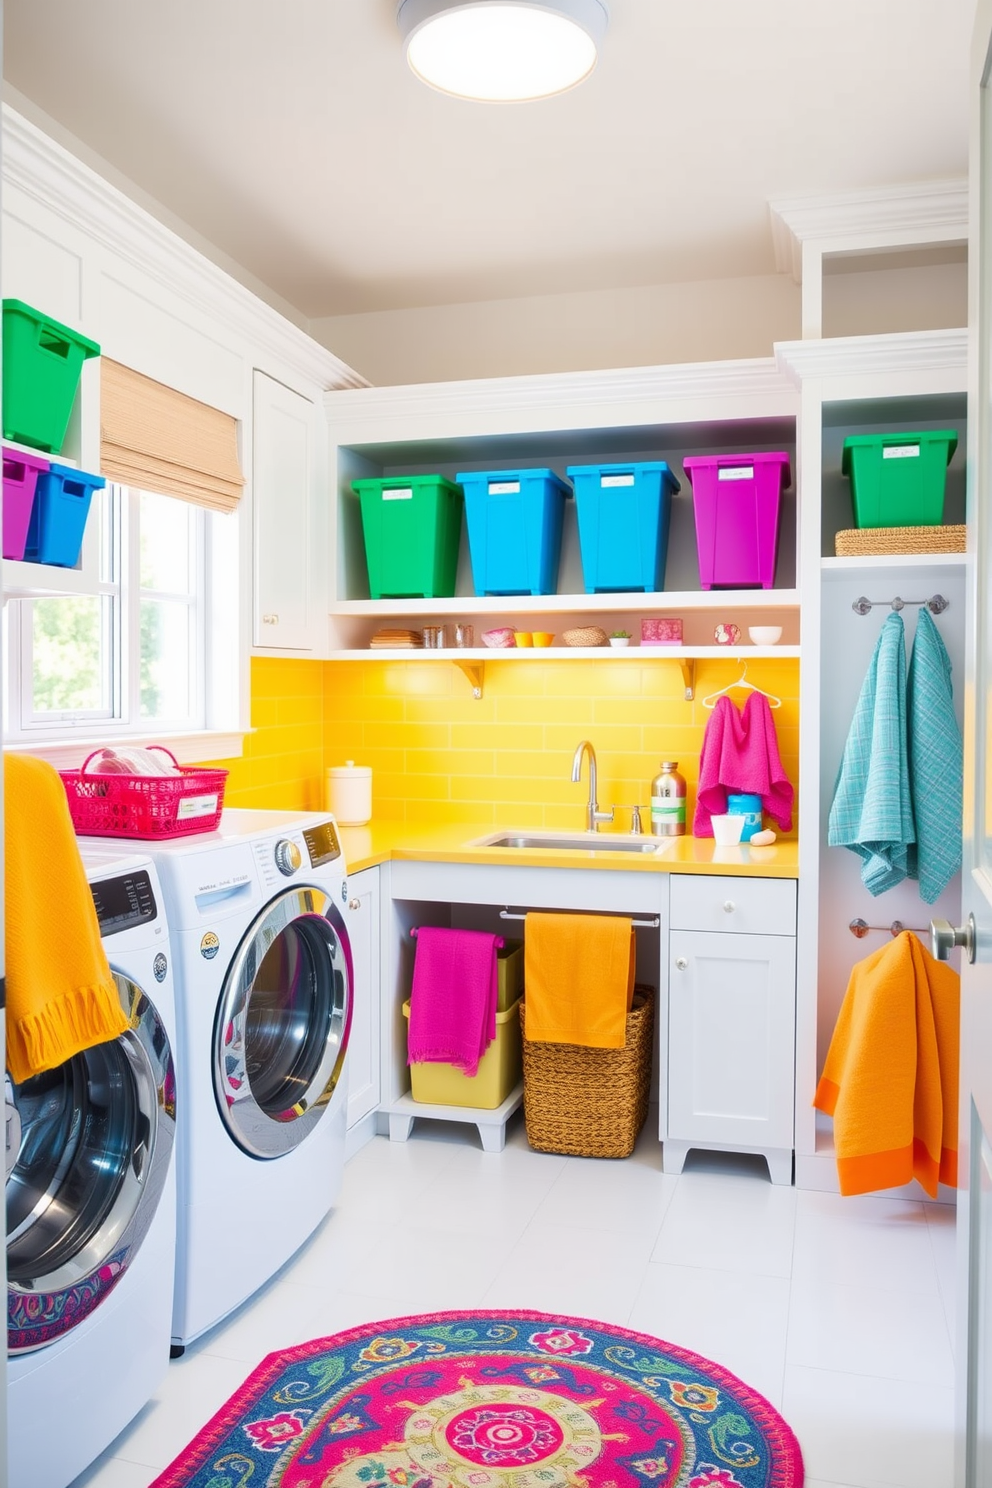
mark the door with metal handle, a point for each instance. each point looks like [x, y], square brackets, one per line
[945, 937]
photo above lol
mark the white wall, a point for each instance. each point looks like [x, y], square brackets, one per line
[707, 320]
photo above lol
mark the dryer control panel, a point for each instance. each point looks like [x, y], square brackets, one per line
[124, 902]
[322, 843]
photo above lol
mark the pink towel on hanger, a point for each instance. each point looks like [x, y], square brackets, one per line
[453, 998]
[740, 754]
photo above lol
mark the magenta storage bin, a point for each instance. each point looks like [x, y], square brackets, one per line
[20, 480]
[736, 500]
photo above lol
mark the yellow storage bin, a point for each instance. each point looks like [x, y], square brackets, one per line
[510, 971]
[500, 1069]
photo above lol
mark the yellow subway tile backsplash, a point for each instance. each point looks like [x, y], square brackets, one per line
[438, 753]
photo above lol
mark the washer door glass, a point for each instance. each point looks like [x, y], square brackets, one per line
[282, 1023]
[88, 1150]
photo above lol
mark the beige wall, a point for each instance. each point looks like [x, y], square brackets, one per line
[708, 320]
[929, 297]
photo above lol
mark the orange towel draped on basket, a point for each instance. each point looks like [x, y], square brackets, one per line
[890, 1080]
[61, 996]
[578, 979]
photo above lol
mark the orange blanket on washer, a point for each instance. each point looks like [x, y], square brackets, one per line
[61, 997]
[890, 1080]
[578, 979]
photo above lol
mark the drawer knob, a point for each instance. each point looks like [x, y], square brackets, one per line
[729, 906]
[270, 619]
[681, 963]
[354, 903]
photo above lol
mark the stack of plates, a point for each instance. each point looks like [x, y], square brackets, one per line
[396, 640]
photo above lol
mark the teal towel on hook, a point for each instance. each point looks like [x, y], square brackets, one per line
[936, 762]
[871, 812]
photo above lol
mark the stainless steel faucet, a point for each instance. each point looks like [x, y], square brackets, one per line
[593, 814]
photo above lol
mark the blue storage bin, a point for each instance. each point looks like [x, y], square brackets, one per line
[514, 529]
[61, 506]
[624, 513]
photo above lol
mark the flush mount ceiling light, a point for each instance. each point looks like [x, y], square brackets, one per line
[502, 51]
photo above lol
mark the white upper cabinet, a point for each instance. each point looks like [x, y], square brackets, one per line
[286, 517]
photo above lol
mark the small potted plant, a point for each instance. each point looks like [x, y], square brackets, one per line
[620, 638]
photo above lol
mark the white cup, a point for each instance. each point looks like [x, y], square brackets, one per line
[727, 830]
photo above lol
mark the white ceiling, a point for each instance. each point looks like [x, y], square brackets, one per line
[291, 134]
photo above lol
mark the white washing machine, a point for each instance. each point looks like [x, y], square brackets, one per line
[264, 999]
[91, 1206]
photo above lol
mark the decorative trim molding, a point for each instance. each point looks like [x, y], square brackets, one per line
[65, 186]
[189, 749]
[936, 210]
[905, 351]
[667, 386]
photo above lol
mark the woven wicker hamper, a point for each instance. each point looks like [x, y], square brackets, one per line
[590, 1102]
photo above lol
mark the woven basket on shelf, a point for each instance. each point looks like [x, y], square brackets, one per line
[859, 542]
[590, 1102]
[585, 635]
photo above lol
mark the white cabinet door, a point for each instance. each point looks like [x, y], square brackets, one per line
[731, 1038]
[283, 497]
[362, 923]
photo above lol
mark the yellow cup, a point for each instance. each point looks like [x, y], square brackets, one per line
[543, 637]
[524, 638]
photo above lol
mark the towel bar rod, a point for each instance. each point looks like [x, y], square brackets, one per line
[655, 924]
[936, 604]
[860, 928]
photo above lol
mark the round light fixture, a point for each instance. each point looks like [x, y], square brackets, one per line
[502, 51]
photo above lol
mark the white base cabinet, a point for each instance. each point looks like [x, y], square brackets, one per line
[731, 1020]
[361, 917]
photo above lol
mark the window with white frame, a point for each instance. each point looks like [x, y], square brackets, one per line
[129, 649]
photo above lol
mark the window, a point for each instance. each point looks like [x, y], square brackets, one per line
[128, 649]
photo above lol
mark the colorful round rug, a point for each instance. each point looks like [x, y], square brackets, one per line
[490, 1400]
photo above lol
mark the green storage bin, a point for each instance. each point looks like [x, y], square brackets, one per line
[898, 480]
[412, 526]
[42, 360]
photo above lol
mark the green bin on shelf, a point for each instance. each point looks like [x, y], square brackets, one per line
[42, 360]
[898, 480]
[412, 526]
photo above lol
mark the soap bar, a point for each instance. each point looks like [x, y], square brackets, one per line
[763, 839]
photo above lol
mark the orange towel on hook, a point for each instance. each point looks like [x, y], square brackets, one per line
[578, 979]
[890, 1080]
[61, 996]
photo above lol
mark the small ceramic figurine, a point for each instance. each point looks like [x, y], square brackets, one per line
[727, 635]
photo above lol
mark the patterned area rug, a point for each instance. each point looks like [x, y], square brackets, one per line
[490, 1400]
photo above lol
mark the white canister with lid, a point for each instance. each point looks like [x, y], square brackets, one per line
[349, 793]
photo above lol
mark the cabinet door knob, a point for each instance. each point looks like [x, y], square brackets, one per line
[354, 903]
[270, 619]
[729, 906]
[681, 962]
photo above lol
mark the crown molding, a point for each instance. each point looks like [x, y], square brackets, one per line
[901, 353]
[49, 174]
[566, 397]
[935, 210]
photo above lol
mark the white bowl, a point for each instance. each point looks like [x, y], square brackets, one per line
[765, 635]
[727, 830]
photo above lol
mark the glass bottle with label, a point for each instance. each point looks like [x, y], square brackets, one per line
[668, 802]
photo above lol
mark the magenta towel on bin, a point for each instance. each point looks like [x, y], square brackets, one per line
[740, 755]
[453, 998]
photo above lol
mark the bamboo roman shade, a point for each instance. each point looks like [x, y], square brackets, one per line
[159, 440]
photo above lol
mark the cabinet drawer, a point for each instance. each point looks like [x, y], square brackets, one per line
[750, 906]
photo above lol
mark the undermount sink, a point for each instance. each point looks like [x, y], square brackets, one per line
[583, 841]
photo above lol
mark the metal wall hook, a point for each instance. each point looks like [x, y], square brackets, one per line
[936, 604]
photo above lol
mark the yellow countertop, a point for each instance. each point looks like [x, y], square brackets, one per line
[381, 841]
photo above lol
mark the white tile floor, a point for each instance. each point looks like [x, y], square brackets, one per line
[839, 1311]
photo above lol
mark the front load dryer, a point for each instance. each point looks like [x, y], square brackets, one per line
[91, 1206]
[264, 999]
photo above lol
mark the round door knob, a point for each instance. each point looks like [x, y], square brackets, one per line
[944, 937]
[729, 906]
[354, 903]
[288, 857]
[681, 963]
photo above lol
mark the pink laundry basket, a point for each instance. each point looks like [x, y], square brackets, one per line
[736, 501]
